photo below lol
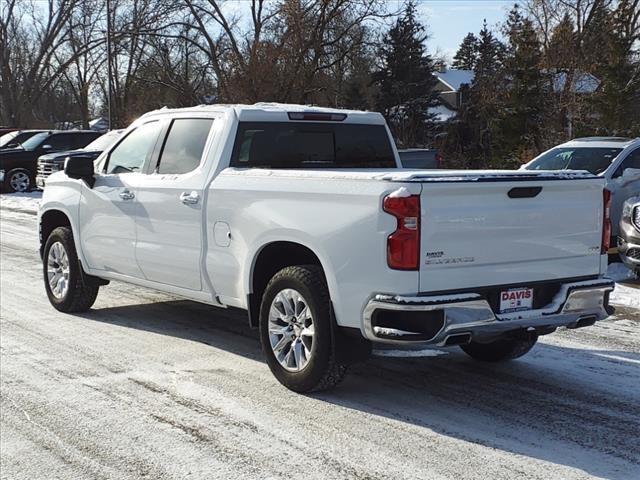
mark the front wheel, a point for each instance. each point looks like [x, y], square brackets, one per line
[63, 279]
[499, 350]
[296, 331]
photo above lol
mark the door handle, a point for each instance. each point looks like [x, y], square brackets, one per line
[127, 194]
[189, 198]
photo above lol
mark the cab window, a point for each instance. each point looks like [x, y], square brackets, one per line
[184, 145]
[132, 152]
[632, 161]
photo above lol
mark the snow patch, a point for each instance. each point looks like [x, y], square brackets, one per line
[402, 192]
[480, 175]
[423, 352]
[28, 202]
[625, 296]
[427, 299]
[619, 272]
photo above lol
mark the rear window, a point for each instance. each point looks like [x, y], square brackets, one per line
[594, 160]
[311, 145]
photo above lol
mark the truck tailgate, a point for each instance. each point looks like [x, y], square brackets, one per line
[502, 231]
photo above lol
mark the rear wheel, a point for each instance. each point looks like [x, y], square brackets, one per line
[18, 180]
[63, 278]
[499, 350]
[296, 331]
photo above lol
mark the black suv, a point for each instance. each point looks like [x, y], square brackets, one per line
[18, 165]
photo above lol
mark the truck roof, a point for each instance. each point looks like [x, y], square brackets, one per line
[602, 142]
[274, 112]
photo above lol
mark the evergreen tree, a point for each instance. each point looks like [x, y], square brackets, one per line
[476, 135]
[406, 80]
[526, 94]
[486, 97]
[562, 50]
[467, 55]
[617, 102]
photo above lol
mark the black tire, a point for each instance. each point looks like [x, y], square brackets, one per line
[323, 370]
[8, 180]
[499, 350]
[79, 296]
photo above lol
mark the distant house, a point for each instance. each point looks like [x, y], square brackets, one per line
[450, 81]
[448, 86]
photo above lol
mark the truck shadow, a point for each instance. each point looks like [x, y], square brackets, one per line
[567, 406]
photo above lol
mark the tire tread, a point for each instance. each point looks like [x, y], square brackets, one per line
[82, 295]
[313, 277]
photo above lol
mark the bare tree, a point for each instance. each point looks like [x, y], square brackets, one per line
[32, 37]
[288, 49]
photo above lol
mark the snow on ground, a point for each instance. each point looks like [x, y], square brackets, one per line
[148, 385]
[26, 202]
[624, 295]
[620, 273]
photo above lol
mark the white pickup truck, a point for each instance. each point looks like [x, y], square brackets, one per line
[300, 216]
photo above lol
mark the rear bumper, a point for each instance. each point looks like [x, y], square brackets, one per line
[459, 318]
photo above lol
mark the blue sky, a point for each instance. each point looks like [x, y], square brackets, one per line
[448, 21]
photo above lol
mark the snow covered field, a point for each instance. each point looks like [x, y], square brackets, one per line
[150, 386]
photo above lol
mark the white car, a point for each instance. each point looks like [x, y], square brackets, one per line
[302, 217]
[615, 159]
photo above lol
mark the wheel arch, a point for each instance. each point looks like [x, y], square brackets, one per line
[271, 258]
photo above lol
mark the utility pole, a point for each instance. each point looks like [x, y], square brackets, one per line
[109, 73]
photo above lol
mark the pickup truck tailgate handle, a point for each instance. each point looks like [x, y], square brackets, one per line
[524, 192]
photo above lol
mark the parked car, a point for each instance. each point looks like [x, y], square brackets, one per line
[420, 158]
[301, 216]
[18, 165]
[53, 162]
[615, 159]
[629, 239]
[14, 139]
[5, 130]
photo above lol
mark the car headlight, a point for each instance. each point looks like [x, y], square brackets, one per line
[636, 216]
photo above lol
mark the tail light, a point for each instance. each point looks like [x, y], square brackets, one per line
[438, 160]
[606, 221]
[403, 245]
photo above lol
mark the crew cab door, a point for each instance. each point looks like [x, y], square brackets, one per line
[108, 210]
[170, 213]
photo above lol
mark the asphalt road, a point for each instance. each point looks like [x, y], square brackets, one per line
[149, 386]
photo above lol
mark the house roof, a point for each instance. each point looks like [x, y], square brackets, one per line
[455, 78]
[583, 82]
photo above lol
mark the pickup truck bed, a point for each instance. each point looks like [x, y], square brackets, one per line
[299, 216]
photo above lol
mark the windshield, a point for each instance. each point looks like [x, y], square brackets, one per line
[103, 142]
[35, 141]
[594, 160]
[7, 137]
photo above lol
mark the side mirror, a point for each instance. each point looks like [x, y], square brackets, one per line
[12, 145]
[630, 173]
[47, 147]
[80, 167]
